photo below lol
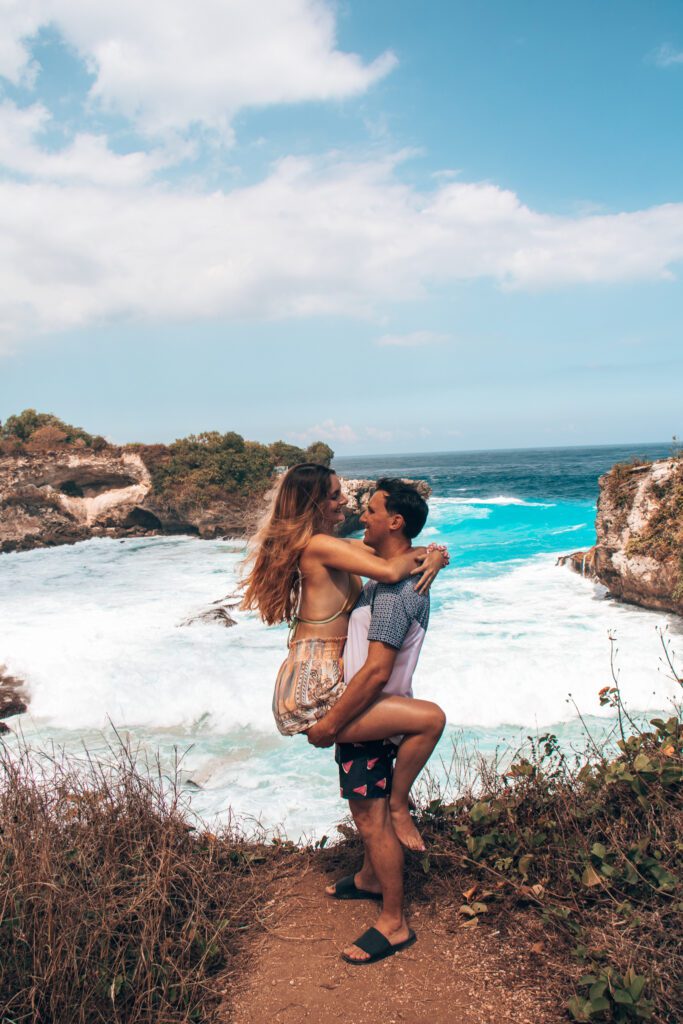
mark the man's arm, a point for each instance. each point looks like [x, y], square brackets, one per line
[361, 692]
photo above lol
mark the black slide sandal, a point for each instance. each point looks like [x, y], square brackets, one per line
[378, 946]
[346, 889]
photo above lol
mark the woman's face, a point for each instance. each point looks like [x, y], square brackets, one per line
[333, 506]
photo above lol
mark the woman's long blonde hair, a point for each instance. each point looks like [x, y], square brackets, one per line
[272, 584]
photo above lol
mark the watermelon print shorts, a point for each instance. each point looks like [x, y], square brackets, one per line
[365, 769]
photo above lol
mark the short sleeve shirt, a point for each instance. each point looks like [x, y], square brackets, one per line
[395, 614]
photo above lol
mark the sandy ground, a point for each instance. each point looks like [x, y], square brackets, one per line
[469, 975]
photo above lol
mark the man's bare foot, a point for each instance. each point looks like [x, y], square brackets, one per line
[367, 884]
[393, 932]
[405, 830]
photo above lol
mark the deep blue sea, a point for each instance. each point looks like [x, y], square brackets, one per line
[515, 645]
[495, 507]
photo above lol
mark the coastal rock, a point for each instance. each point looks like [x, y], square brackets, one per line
[639, 552]
[13, 698]
[62, 496]
[218, 612]
[68, 494]
[582, 562]
[65, 495]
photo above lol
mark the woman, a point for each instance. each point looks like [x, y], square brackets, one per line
[303, 574]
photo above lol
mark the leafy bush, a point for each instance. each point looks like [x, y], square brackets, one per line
[45, 429]
[289, 455]
[208, 467]
[593, 845]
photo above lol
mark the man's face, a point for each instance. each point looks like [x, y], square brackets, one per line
[377, 521]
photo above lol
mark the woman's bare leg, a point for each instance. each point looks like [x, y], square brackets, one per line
[421, 723]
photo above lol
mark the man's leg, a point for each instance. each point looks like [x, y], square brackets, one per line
[413, 754]
[365, 878]
[421, 722]
[385, 854]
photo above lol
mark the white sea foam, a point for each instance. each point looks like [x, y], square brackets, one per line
[499, 499]
[567, 529]
[94, 629]
[510, 646]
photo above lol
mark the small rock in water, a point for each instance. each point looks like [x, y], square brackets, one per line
[220, 615]
[13, 700]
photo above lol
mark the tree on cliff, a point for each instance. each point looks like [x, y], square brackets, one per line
[206, 467]
[319, 452]
[45, 430]
[289, 455]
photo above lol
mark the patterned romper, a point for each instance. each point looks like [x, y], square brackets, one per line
[311, 679]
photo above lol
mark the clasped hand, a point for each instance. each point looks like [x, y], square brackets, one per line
[431, 564]
[320, 734]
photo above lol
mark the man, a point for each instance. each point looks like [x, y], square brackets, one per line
[386, 631]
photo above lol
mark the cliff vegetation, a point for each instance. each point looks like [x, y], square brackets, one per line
[35, 431]
[208, 467]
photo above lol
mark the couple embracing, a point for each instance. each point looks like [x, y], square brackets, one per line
[352, 651]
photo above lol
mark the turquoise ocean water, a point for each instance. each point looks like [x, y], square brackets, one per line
[96, 630]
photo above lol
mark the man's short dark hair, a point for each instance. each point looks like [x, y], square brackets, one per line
[404, 500]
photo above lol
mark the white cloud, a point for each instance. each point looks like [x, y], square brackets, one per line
[666, 55]
[328, 430]
[169, 64]
[21, 19]
[314, 237]
[378, 434]
[86, 158]
[414, 339]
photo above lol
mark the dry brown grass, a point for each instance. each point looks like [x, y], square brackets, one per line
[112, 907]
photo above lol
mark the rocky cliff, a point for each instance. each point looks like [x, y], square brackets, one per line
[639, 525]
[71, 494]
[66, 495]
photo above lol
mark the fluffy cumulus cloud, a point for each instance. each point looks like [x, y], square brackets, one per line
[90, 234]
[313, 237]
[168, 64]
[86, 158]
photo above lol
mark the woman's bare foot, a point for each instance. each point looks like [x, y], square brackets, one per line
[405, 830]
[393, 931]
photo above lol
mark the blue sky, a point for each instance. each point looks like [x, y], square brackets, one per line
[397, 227]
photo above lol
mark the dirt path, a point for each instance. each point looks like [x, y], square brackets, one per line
[468, 975]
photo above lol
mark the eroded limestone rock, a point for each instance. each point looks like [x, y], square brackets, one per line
[639, 525]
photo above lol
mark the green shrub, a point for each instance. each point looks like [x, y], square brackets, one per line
[592, 844]
[208, 467]
[25, 424]
[289, 455]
